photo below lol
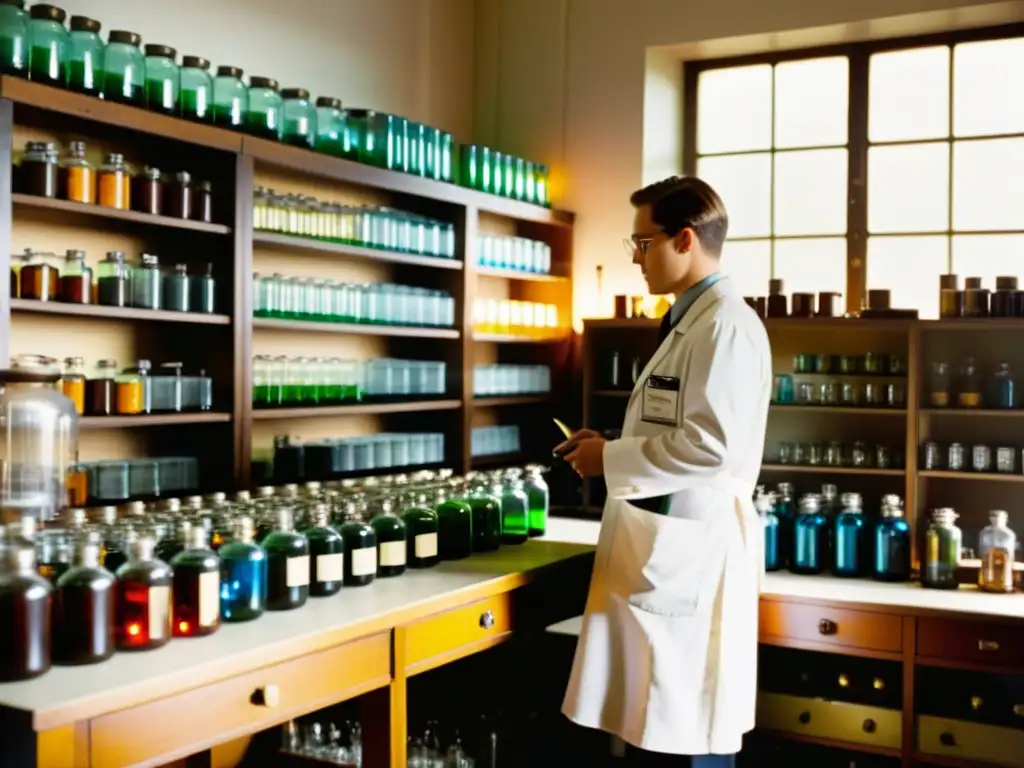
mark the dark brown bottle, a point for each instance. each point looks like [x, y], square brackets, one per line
[778, 304]
[25, 599]
[195, 597]
[287, 565]
[83, 608]
[142, 607]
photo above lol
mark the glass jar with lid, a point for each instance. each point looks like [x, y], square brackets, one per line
[163, 78]
[85, 56]
[939, 386]
[384, 138]
[134, 390]
[148, 192]
[997, 547]
[202, 289]
[195, 97]
[852, 540]
[969, 388]
[50, 41]
[72, 382]
[298, 124]
[124, 69]
[175, 289]
[263, 111]
[77, 176]
[331, 129]
[14, 42]
[100, 389]
[1004, 394]
[113, 280]
[230, 98]
[147, 284]
[75, 279]
[115, 183]
[179, 196]
[38, 276]
[38, 172]
[943, 542]
[892, 542]
[202, 202]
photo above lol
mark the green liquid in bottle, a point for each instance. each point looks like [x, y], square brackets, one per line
[45, 66]
[515, 520]
[195, 106]
[160, 97]
[486, 523]
[12, 57]
[83, 77]
[258, 124]
[293, 394]
[454, 529]
[116, 88]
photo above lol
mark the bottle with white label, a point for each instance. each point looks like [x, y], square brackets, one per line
[326, 554]
[142, 607]
[287, 564]
[243, 574]
[360, 548]
[390, 532]
[421, 527]
[195, 591]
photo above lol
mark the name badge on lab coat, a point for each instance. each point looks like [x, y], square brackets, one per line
[661, 400]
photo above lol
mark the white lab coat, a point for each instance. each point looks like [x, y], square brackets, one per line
[667, 657]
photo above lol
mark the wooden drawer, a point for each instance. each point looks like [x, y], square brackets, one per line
[972, 742]
[188, 722]
[855, 723]
[826, 625]
[439, 639]
[971, 642]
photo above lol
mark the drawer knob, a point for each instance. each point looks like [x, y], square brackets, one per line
[827, 627]
[988, 645]
[804, 718]
[487, 619]
[947, 739]
[268, 696]
[870, 726]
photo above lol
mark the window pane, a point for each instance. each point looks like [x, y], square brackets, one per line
[986, 88]
[987, 256]
[810, 192]
[988, 181]
[812, 102]
[908, 188]
[749, 265]
[734, 109]
[744, 182]
[908, 96]
[811, 265]
[910, 268]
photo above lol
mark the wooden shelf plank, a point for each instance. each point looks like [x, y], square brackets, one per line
[999, 413]
[99, 312]
[309, 245]
[823, 470]
[974, 324]
[496, 400]
[624, 393]
[361, 409]
[622, 323]
[838, 323]
[512, 338]
[152, 420]
[995, 477]
[516, 274]
[355, 328]
[787, 408]
[104, 212]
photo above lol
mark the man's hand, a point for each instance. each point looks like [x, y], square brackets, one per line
[587, 458]
[582, 434]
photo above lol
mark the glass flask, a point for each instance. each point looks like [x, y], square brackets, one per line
[49, 54]
[327, 554]
[331, 129]
[124, 69]
[997, 547]
[243, 574]
[539, 497]
[287, 564]
[785, 510]
[230, 98]
[942, 544]
[263, 109]
[40, 438]
[195, 98]
[195, 603]
[298, 114]
[764, 503]
[422, 527]
[163, 78]
[810, 537]
[142, 607]
[969, 394]
[1003, 388]
[360, 548]
[14, 40]
[85, 56]
[486, 517]
[892, 542]
[25, 606]
[852, 538]
[83, 608]
[390, 532]
[454, 526]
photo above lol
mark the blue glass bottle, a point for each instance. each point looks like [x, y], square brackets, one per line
[1003, 388]
[852, 539]
[810, 537]
[785, 511]
[243, 575]
[764, 503]
[892, 542]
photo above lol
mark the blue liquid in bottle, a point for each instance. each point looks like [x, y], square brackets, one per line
[852, 539]
[810, 537]
[892, 542]
[243, 576]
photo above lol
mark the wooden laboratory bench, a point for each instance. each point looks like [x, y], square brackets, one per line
[203, 697]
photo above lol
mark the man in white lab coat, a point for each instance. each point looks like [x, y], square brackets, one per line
[667, 658]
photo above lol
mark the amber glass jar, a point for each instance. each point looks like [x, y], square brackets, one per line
[178, 202]
[38, 278]
[115, 183]
[75, 279]
[202, 202]
[148, 192]
[77, 177]
[130, 399]
[72, 382]
[38, 172]
[101, 390]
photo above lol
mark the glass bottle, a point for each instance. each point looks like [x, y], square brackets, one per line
[175, 289]
[72, 382]
[14, 39]
[764, 503]
[124, 69]
[785, 510]
[852, 539]
[114, 183]
[1003, 388]
[243, 574]
[171, 546]
[360, 548]
[147, 282]
[195, 99]
[75, 279]
[939, 386]
[131, 390]
[942, 545]
[25, 600]
[298, 118]
[997, 547]
[454, 527]
[892, 542]
[287, 565]
[810, 537]
[515, 516]
[113, 280]
[142, 608]
[968, 393]
[422, 527]
[101, 390]
[195, 608]
[178, 200]
[85, 56]
[76, 176]
[83, 608]
[539, 497]
[38, 173]
[327, 555]
[202, 290]
[230, 98]
[147, 195]
[53, 554]
[486, 519]
[50, 41]
[390, 532]
[331, 129]
[202, 202]
[263, 110]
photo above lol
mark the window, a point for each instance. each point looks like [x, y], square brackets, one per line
[931, 131]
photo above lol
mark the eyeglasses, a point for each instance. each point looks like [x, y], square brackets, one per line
[632, 245]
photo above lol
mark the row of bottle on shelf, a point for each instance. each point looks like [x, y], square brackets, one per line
[971, 389]
[495, 440]
[956, 457]
[330, 744]
[135, 580]
[846, 393]
[45, 276]
[867, 364]
[501, 173]
[835, 453]
[114, 184]
[303, 298]
[516, 253]
[503, 379]
[334, 458]
[363, 225]
[530, 318]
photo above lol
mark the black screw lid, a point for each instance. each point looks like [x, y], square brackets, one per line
[295, 93]
[161, 51]
[15, 3]
[123, 36]
[84, 24]
[328, 101]
[361, 112]
[44, 11]
[263, 82]
[235, 72]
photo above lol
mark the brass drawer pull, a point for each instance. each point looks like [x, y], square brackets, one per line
[947, 739]
[487, 619]
[268, 696]
[827, 627]
[988, 645]
[870, 726]
[804, 718]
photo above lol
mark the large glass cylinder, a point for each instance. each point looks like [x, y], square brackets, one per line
[124, 69]
[85, 56]
[49, 37]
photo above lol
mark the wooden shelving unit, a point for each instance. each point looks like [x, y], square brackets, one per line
[321, 248]
[115, 214]
[361, 409]
[502, 400]
[516, 274]
[366, 329]
[152, 420]
[117, 313]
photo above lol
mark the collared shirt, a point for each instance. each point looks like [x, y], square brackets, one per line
[688, 297]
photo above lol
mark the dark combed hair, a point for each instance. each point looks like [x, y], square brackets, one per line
[681, 202]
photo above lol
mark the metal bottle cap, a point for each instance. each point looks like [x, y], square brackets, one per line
[284, 518]
[87, 552]
[198, 538]
[245, 529]
[20, 558]
[321, 517]
[143, 547]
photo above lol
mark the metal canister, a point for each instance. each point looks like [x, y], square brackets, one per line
[834, 454]
[981, 458]
[956, 458]
[1006, 460]
[883, 459]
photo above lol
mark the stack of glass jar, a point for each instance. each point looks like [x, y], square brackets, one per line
[329, 745]
[491, 380]
[114, 482]
[334, 458]
[837, 454]
[503, 174]
[516, 253]
[130, 578]
[529, 318]
[399, 144]
[970, 389]
[325, 301]
[1007, 300]
[492, 441]
[136, 389]
[367, 226]
[852, 385]
[958, 457]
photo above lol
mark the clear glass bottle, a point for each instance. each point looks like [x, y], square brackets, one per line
[421, 534]
[1004, 394]
[147, 283]
[49, 55]
[83, 608]
[539, 497]
[997, 547]
[764, 503]
[942, 545]
[72, 382]
[113, 280]
[287, 564]
[892, 542]
[25, 599]
[75, 279]
[327, 554]
[195, 100]
[85, 56]
[454, 526]
[230, 98]
[163, 78]
[515, 506]
[76, 175]
[360, 548]
[939, 386]
[142, 609]
[243, 574]
[969, 387]
[810, 537]
[124, 69]
[852, 546]
[391, 533]
[299, 126]
[331, 128]
[263, 111]
[195, 607]
[14, 40]
[486, 518]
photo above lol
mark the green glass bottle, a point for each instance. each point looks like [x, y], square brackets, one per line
[48, 56]
[124, 69]
[195, 101]
[14, 40]
[539, 497]
[171, 545]
[486, 518]
[497, 173]
[230, 98]
[454, 525]
[360, 548]
[327, 554]
[390, 531]
[287, 565]
[85, 56]
[163, 79]
[298, 118]
[331, 130]
[515, 508]
[263, 112]
[195, 591]
[422, 526]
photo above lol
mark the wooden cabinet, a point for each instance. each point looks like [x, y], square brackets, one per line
[440, 639]
[973, 743]
[970, 642]
[829, 627]
[837, 720]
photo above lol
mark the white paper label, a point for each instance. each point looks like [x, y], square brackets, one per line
[426, 545]
[159, 612]
[209, 598]
[330, 567]
[297, 574]
[392, 553]
[364, 561]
